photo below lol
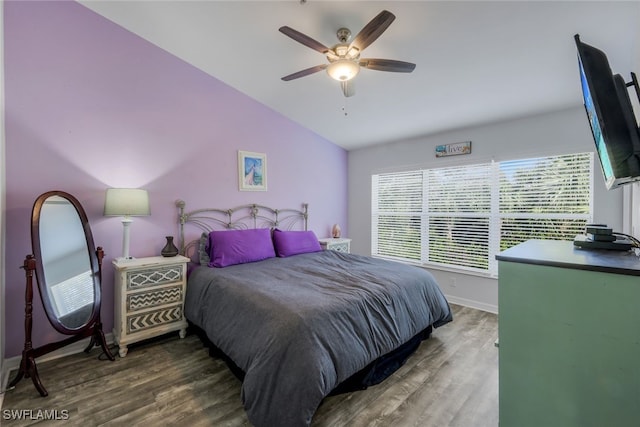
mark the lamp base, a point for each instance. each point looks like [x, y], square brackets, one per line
[126, 223]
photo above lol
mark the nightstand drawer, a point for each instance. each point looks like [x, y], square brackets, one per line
[153, 298]
[340, 247]
[142, 321]
[336, 244]
[154, 276]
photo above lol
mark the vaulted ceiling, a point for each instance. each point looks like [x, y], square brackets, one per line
[477, 61]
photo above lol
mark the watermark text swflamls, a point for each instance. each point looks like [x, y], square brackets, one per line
[35, 414]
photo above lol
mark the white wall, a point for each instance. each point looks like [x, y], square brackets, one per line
[560, 132]
[632, 192]
[2, 197]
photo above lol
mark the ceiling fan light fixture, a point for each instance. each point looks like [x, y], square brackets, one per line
[344, 61]
[341, 50]
[353, 53]
[343, 70]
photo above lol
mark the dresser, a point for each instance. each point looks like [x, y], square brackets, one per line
[149, 298]
[569, 336]
[339, 244]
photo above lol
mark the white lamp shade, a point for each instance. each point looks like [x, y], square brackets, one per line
[126, 202]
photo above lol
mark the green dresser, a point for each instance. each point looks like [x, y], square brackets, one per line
[569, 336]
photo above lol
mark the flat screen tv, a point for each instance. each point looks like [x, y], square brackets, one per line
[610, 113]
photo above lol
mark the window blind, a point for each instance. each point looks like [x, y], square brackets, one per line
[462, 216]
[548, 198]
[397, 208]
[458, 213]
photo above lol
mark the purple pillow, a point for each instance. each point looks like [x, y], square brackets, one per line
[229, 247]
[289, 243]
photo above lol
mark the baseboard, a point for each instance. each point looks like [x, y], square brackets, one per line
[472, 304]
[13, 363]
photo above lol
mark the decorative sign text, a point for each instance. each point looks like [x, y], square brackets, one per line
[453, 149]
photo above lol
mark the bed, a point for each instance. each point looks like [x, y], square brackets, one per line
[303, 323]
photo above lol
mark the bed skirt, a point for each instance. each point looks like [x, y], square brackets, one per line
[372, 374]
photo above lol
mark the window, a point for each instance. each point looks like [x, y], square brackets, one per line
[462, 216]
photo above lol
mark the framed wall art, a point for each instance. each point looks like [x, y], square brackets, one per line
[252, 171]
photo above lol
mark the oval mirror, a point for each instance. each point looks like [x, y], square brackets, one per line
[67, 269]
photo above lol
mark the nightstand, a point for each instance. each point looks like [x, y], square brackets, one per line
[336, 244]
[149, 298]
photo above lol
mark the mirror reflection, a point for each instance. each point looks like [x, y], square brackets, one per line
[66, 263]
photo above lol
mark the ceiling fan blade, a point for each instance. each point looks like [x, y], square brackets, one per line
[304, 39]
[387, 65]
[348, 88]
[304, 72]
[373, 29]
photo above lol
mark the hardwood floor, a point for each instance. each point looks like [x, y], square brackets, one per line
[452, 380]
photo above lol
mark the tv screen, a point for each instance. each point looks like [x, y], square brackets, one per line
[610, 113]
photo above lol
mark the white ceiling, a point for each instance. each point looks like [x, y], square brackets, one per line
[477, 61]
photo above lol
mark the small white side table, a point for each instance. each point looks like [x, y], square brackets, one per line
[339, 244]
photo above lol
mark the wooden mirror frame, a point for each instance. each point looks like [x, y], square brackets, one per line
[92, 328]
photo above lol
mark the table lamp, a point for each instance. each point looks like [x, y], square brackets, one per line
[126, 202]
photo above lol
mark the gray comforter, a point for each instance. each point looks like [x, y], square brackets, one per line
[299, 326]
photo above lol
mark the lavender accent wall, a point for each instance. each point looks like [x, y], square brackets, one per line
[91, 106]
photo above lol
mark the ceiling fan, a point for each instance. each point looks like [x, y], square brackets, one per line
[344, 58]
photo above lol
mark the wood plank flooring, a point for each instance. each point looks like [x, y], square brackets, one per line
[452, 380]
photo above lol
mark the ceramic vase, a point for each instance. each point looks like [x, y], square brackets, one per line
[169, 249]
